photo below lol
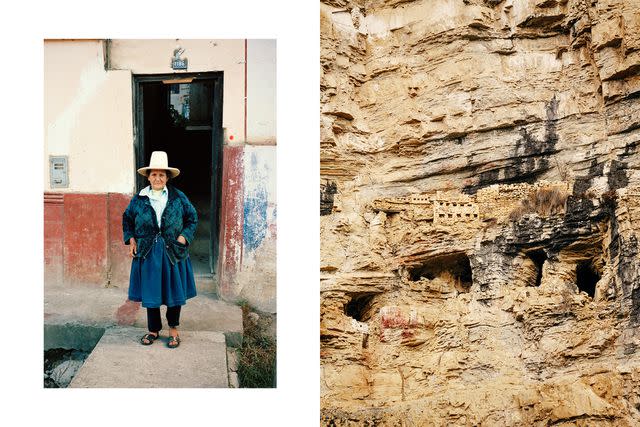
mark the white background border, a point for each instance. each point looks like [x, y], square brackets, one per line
[295, 25]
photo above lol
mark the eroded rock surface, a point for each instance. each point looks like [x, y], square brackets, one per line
[480, 211]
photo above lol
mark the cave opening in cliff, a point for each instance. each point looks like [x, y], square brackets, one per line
[358, 307]
[455, 265]
[587, 277]
[538, 256]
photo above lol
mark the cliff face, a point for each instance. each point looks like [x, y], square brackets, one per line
[480, 212]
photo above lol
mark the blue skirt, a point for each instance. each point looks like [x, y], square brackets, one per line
[155, 282]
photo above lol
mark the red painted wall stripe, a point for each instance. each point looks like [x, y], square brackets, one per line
[85, 238]
[53, 238]
[119, 260]
[83, 233]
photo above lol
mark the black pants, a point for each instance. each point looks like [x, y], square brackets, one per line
[155, 323]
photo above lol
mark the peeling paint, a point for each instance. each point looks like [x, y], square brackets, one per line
[256, 278]
[259, 196]
[231, 219]
[255, 219]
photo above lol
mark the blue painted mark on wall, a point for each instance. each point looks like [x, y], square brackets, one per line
[255, 218]
[259, 197]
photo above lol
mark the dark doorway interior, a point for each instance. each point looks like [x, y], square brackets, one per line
[538, 256]
[587, 277]
[358, 307]
[184, 119]
[455, 264]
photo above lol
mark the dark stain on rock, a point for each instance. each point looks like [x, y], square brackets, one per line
[487, 177]
[630, 148]
[534, 154]
[635, 306]
[582, 183]
[617, 177]
[578, 211]
[615, 239]
[579, 221]
[532, 160]
[529, 158]
[628, 271]
[326, 197]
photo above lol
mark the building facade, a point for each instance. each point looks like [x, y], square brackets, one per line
[211, 105]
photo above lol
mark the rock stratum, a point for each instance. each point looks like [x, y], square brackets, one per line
[480, 213]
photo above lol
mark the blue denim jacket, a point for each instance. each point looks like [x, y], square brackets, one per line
[179, 218]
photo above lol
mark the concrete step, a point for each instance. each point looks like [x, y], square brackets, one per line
[205, 282]
[119, 360]
[106, 307]
[202, 273]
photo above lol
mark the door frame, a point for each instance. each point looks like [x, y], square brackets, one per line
[216, 144]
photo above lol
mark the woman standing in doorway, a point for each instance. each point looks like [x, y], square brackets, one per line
[158, 225]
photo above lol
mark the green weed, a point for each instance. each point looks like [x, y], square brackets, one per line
[257, 357]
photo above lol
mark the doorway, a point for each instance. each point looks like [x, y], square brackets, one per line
[182, 115]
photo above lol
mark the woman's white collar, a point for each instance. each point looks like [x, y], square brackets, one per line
[146, 191]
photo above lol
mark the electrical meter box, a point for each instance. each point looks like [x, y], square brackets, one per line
[59, 171]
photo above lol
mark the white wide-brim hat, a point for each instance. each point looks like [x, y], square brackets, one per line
[159, 160]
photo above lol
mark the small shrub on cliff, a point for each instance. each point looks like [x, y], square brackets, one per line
[545, 202]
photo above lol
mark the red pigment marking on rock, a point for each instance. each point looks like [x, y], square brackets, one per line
[394, 321]
[407, 333]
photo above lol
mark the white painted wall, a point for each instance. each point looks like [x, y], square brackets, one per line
[88, 111]
[87, 117]
[261, 91]
[260, 171]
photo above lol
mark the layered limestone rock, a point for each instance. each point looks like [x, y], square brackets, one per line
[480, 212]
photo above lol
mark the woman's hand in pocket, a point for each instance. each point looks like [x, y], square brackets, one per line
[181, 239]
[133, 247]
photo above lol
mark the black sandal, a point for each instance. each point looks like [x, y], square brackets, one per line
[150, 338]
[175, 340]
